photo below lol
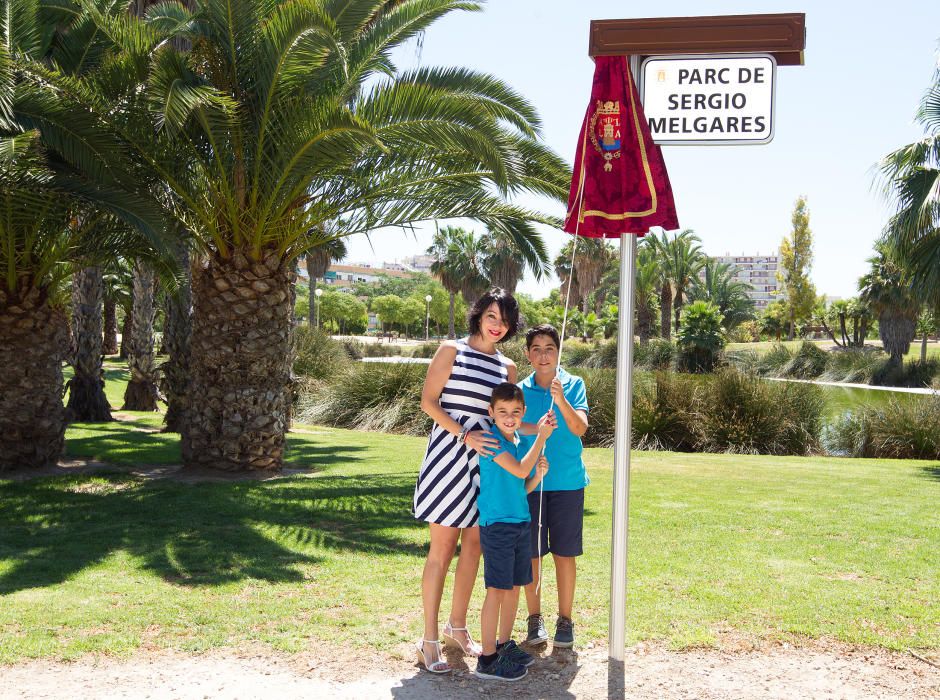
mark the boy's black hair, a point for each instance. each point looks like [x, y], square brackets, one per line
[508, 309]
[544, 329]
[507, 391]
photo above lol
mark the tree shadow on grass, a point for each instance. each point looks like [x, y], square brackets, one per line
[198, 534]
[931, 471]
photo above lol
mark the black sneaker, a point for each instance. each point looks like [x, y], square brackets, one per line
[511, 650]
[502, 669]
[564, 633]
[537, 632]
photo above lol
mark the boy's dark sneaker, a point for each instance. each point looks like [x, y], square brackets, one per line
[537, 632]
[511, 650]
[564, 633]
[502, 669]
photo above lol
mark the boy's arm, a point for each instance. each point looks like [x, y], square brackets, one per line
[575, 418]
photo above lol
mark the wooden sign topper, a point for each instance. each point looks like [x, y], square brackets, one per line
[781, 35]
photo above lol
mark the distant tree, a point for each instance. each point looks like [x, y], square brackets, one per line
[796, 260]
[645, 292]
[717, 284]
[926, 325]
[773, 321]
[325, 251]
[389, 309]
[700, 337]
[679, 258]
[511, 249]
[458, 265]
[886, 287]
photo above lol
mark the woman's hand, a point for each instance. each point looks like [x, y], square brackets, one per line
[481, 441]
[547, 424]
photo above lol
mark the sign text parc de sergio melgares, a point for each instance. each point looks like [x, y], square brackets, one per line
[709, 99]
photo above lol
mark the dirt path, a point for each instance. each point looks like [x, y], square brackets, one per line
[777, 672]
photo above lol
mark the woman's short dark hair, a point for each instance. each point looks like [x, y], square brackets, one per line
[543, 329]
[507, 391]
[508, 309]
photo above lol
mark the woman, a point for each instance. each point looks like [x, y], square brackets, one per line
[456, 395]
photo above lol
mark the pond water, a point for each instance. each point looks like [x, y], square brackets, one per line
[841, 399]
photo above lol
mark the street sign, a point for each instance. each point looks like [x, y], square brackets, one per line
[709, 100]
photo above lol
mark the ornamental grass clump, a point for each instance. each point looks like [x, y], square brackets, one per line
[745, 414]
[663, 411]
[899, 430]
[317, 355]
[808, 362]
[375, 396]
[772, 362]
[853, 365]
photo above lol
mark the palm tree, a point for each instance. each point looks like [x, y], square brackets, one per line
[567, 274]
[292, 130]
[886, 287]
[645, 290]
[142, 393]
[718, 285]
[680, 259]
[457, 266]
[59, 165]
[911, 178]
[509, 249]
[318, 260]
[590, 261]
[87, 401]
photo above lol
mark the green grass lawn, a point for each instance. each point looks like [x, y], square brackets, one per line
[764, 547]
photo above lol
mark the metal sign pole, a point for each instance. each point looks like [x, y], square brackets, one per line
[622, 439]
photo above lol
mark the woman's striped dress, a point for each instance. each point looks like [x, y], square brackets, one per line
[449, 481]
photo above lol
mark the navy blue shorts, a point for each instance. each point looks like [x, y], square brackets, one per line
[562, 522]
[507, 559]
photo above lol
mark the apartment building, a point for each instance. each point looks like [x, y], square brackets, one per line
[759, 271]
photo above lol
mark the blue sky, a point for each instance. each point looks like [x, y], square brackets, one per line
[867, 64]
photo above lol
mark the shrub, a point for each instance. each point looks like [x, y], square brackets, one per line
[701, 338]
[663, 406]
[515, 351]
[855, 365]
[381, 349]
[912, 374]
[316, 354]
[772, 362]
[902, 429]
[425, 350]
[577, 354]
[742, 413]
[807, 363]
[376, 396]
[658, 354]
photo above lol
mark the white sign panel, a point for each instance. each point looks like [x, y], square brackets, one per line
[709, 100]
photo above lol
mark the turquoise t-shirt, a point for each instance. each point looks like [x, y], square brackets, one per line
[563, 448]
[502, 496]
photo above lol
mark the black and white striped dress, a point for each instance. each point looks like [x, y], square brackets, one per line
[449, 480]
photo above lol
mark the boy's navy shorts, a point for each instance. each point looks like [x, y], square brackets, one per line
[507, 558]
[562, 522]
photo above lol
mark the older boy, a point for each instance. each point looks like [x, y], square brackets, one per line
[504, 530]
[563, 497]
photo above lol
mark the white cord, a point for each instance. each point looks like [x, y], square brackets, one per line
[561, 344]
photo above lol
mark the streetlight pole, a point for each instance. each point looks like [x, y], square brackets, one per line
[427, 317]
[318, 293]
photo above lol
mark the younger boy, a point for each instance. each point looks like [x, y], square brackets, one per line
[562, 500]
[504, 531]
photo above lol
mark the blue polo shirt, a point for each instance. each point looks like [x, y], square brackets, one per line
[563, 449]
[502, 496]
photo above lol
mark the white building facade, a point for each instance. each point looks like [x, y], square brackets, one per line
[759, 271]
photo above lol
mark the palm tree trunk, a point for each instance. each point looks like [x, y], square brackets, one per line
[127, 328]
[665, 311]
[87, 401]
[109, 344]
[923, 349]
[176, 336]
[677, 309]
[451, 333]
[644, 322]
[141, 393]
[33, 342]
[240, 363]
